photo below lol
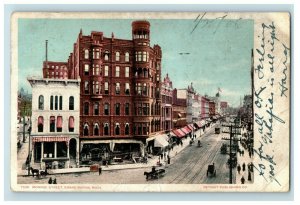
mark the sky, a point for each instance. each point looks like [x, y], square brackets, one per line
[219, 50]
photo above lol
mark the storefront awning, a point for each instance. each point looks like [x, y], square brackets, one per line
[50, 139]
[161, 141]
[191, 126]
[201, 123]
[179, 133]
[184, 130]
[188, 129]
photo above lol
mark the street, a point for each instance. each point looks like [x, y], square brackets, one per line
[187, 167]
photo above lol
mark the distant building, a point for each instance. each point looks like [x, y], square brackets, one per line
[205, 107]
[179, 111]
[212, 109]
[166, 103]
[55, 122]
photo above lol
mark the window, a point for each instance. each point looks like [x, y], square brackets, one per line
[138, 56]
[86, 130]
[59, 124]
[117, 71]
[144, 56]
[41, 102]
[60, 102]
[96, 70]
[117, 88]
[51, 102]
[71, 103]
[145, 89]
[52, 124]
[106, 70]
[40, 124]
[96, 87]
[96, 129]
[127, 129]
[96, 109]
[86, 108]
[106, 109]
[86, 54]
[56, 103]
[126, 57]
[127, 89]
[127, 72]
[86, 69]
[71, 124]
[106, 53]
[127, 109]
[117, 56]
[106, 129]
[96, 53]
[86, 87]
[139, 89]
[117, 129]
[106, 88]
[117, 110]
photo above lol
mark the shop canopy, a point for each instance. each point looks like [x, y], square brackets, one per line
[185, 130]
[201, 123]
[50, 139]
[161, 140]
[191, 126]
[179, 133]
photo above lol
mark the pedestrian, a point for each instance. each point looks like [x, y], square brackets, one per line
[100, 170]
[249, 175]
[244, 166]
[50, 180]
[242, 180]
[54, 181]
[250, 153]
[239, 168]
[169, 159]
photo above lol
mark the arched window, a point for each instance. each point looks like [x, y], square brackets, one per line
[59, 124]
[106, 129]
[96, 129]
[86, 54]
[86, 108]
[41, 102]
[106, 53]
[127, 129]
[71, 103]
[71, 124]
[86, 129]
[52, 124]
[51, 102]
[127, 109]
[40, 124]
[117, 129]
[117, 56]
[126, 57]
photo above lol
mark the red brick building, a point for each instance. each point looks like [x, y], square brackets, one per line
[120, 101]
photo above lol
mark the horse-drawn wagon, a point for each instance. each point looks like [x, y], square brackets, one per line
[211, 170]
[155, 173]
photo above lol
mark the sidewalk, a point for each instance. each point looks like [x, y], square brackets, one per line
[151, 161]
[245, 158]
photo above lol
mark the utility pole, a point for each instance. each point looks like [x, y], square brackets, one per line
[233, 130]
[24, 108]
[29, 152]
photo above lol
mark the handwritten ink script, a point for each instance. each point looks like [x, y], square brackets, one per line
[270, 74]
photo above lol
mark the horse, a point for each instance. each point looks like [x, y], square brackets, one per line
[33, 171]
[44, 173]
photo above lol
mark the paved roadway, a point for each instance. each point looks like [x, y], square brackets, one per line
[187, 167]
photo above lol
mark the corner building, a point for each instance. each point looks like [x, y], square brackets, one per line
[120, 100]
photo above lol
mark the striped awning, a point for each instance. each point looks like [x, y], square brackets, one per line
[179, 133]
[191, 126]
[201, 123]
[50, 139]
[185, 130]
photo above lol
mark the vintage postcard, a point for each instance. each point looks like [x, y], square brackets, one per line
[150, 102]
